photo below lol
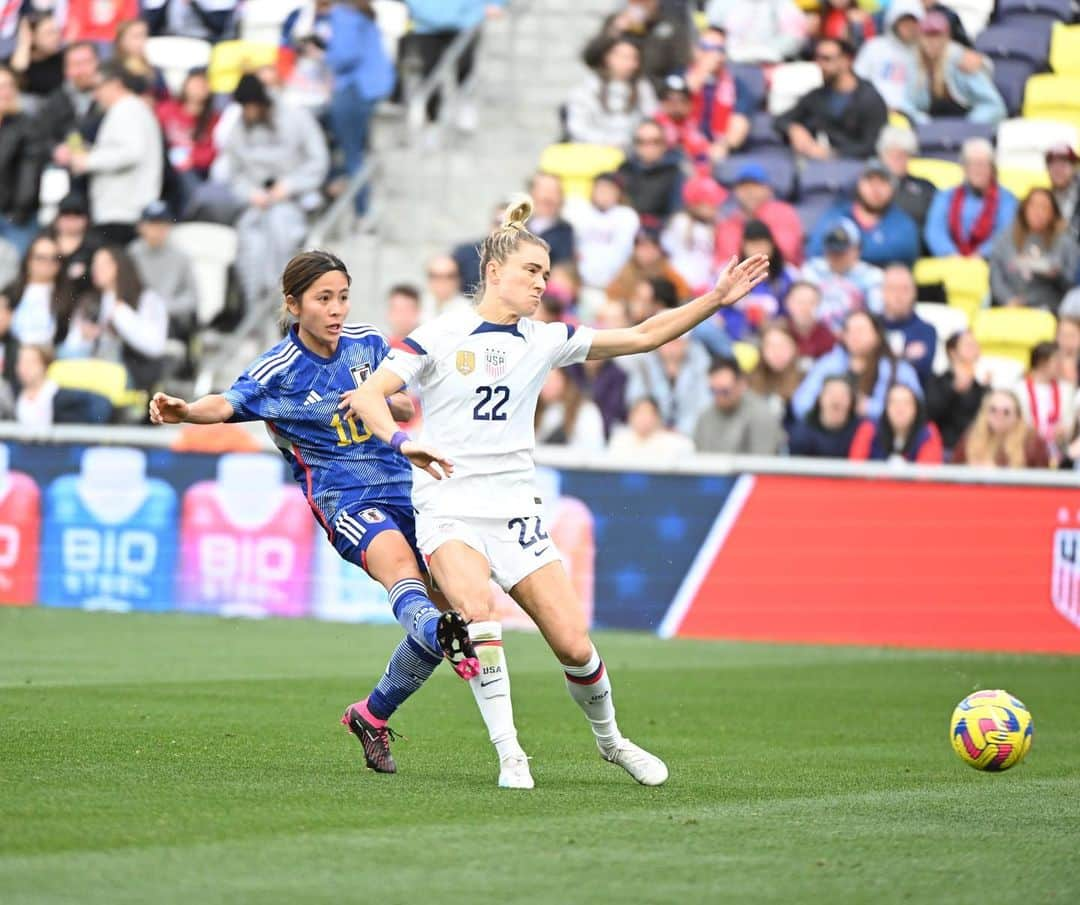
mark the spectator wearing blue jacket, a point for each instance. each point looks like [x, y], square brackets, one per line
[435, 26]
[946, 85]
[888, 233]
[911, 339]
[363, 75]
[862, 356]
[965, 220]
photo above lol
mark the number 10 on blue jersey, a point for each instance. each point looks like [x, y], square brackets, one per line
[354, 434]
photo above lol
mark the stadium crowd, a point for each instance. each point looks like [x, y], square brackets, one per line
[853, 145]
[103, 153]
[848, 349]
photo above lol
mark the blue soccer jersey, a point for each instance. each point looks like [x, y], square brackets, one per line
[335, 459]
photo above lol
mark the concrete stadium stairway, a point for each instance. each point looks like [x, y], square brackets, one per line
[440, 189]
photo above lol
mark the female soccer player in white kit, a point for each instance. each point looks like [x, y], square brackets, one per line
[479, 374]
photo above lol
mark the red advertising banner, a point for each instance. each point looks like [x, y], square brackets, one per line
[896, 563]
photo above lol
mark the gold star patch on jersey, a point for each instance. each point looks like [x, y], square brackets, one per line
[466, 363]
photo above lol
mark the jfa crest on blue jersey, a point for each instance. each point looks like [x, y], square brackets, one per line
[335, 459]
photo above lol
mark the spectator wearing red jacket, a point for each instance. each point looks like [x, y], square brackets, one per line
[188, 122]
[720, 104]
[675, 117]
[812, 335]
[752, 199]
[97, 20]
[902, 434]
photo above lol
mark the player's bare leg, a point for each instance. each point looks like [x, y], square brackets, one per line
[463, 576]
[391, 562]
[548, 597]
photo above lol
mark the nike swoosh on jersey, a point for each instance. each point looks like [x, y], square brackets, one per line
[542, 552]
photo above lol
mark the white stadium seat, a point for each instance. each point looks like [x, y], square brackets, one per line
[261, 20]
[1022, 143]
[947, 321]
[790, 81]
[999, 371]
[212, 249]
[392, 17]
[974, 14]
[176, 57]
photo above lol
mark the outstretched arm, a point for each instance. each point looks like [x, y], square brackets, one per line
[174, 410]
[735, 282]
[369, 404]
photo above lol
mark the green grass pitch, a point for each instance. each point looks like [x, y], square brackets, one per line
[160, 759]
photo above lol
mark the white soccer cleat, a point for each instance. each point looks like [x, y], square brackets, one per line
[514, 773]
[646, 768]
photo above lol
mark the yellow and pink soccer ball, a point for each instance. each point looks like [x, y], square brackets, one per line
[991, 730]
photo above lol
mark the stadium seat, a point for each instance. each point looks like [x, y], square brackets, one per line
[1020, 182]
[746, 355]
[231, 59]
[1010, 78]
[1022, 143]
[943, 173]
[1019, 38]
[1053, 97]
[392, 17]
[753, 79]
[261, 20]
[1065, 49]
[762, 134]
[812, 209]
[1057, 9]
[899, 121]
[829, 177]
[777, 162]
[176, 57]
[966, 280]
[95, 375]
[974, 14]
[1001, 373]
[1012, 332]
[790, 81]
[943, 137]
[947, 321]
[212, 249]
[577, 165]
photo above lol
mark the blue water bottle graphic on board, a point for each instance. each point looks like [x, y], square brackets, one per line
[110, 535]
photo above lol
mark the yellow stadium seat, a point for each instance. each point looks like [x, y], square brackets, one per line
[1013, 332]
[899, 121]
[232, 59]
[966, 280]
[577, 165]
[1065, 49]
[1053, 97]
[106, 378]
[1020, 182]
[943, 173]
[746, 355]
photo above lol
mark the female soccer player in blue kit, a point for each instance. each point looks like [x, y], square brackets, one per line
[357, 486]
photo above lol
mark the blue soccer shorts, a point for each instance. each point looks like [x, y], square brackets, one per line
[356, 525]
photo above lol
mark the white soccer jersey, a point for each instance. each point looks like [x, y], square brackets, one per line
[478, 384]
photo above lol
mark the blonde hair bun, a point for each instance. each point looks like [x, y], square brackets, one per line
[518, 211]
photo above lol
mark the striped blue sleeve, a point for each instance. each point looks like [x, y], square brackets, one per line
[249, 400]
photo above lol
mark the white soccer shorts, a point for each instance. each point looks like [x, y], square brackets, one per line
[514, 547]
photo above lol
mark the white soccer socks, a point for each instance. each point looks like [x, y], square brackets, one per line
[492, 692]
[590, 687]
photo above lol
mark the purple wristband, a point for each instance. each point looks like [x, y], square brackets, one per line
[396, 440]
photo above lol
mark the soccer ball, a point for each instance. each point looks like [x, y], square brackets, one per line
[991, 730]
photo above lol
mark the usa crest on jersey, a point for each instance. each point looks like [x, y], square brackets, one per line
[495, 363]
[1065, 580]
